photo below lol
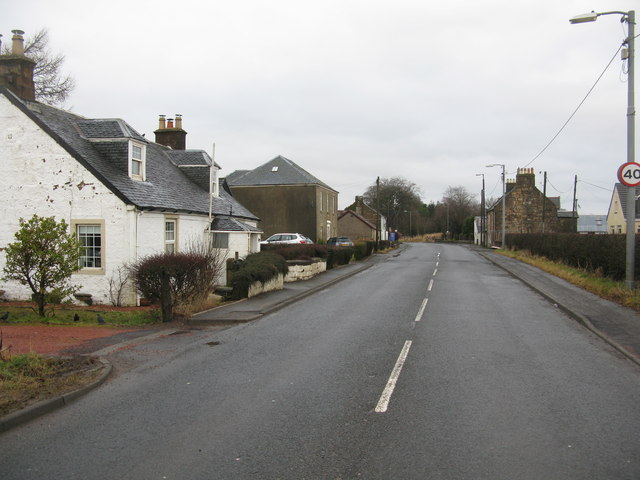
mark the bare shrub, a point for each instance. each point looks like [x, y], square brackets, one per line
[118, 283]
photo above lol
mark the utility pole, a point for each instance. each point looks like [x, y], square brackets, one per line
[378, 226]
[483, 214]
[544, 198]
[575, 202]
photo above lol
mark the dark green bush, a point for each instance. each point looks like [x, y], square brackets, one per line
[603, 254]
[339, 256]
[384, 244]
[257, 267]
[363, 249]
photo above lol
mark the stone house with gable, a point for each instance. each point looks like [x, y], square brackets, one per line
[527, 211]
[359, 220]
[287, 198]
[123, 195]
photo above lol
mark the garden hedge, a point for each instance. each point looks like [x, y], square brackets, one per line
[604, 254]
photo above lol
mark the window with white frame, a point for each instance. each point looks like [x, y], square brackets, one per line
[170, 232]
[90, 240]
[137, 153]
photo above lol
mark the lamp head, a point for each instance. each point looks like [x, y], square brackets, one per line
[584, 18]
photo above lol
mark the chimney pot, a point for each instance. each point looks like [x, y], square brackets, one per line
[170, 134]
[18, 42]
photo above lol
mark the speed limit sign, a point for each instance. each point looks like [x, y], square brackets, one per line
[629, 174]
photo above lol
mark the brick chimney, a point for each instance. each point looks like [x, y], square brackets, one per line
[526, 177]
[16, 70]
[170, 134]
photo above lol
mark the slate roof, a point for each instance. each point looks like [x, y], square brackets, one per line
[592, 223]
[277, 171]
[100, 145]
[190, 157]
[229, 224]
[342, 213]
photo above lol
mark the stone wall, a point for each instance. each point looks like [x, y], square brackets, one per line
[257, 288]
[304, 270]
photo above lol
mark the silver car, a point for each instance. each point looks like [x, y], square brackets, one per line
[286, 238]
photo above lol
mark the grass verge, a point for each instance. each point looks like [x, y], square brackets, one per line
[592, 282]
[81, 316]
[28, 378]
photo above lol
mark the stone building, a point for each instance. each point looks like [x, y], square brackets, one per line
[527, 211]
[368, 216]
[287, 198]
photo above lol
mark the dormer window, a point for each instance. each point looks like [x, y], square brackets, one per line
[215, 187]
[137, 154]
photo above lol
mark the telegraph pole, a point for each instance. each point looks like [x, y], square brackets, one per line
[544, 198]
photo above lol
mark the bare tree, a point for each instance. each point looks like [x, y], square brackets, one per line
[458, 204]
[399, 201]
[52, 86]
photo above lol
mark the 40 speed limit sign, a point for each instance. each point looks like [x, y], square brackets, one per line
[629, 174]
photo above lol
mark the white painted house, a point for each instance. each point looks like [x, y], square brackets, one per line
[123, 195]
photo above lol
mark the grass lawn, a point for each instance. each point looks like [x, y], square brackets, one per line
[29, 378]
[24, 313]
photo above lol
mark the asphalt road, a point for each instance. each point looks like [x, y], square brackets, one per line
[434, 364]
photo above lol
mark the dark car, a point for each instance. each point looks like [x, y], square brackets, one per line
[340, 242]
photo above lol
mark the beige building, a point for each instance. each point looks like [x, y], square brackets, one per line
[617, 216]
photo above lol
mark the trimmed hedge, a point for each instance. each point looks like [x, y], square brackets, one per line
[301, 251]
[335, 256]
[257, 267]
[339, 256]
[605, 254]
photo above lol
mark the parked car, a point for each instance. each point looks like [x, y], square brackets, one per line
[340, 242]
[286, 238]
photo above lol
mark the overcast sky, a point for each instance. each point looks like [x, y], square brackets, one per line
[432, 91]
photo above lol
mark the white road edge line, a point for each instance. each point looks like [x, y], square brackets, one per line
[421, 311]
[430, 286]
[383, 403]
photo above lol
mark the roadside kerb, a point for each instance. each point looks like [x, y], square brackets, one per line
[45, 406]
[560, 304]
[270, 302]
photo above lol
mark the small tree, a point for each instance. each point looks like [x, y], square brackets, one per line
[43, 257]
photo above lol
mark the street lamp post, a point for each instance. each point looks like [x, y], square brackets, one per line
[410, 229]
[504, 194]
[630, 18]
[483, 220]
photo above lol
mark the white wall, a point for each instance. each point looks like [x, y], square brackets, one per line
[40, 177]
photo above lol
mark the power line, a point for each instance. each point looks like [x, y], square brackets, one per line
[594, 185]
[577, 108]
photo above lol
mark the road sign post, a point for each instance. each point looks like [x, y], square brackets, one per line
[629, 175]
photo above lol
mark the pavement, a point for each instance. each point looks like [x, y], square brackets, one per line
[617, 325]
[253, 308]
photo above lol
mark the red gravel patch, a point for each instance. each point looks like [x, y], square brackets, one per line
[51, 339]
